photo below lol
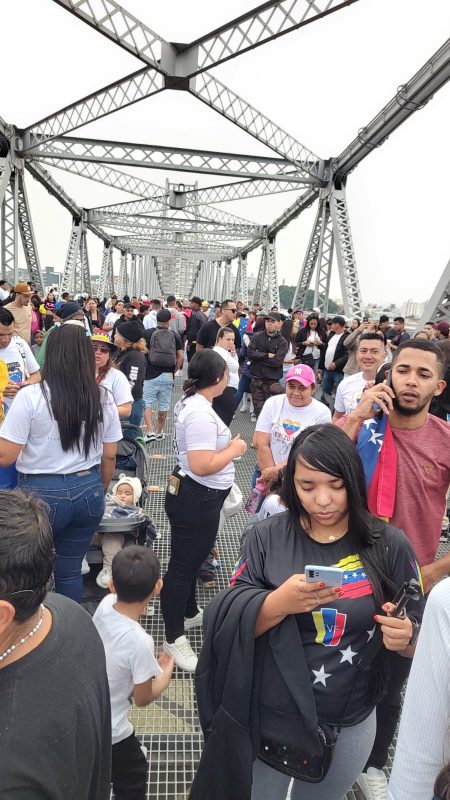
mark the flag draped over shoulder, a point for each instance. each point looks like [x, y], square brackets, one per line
[376, 448]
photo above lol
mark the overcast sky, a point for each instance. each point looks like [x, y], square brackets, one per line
[320, 83]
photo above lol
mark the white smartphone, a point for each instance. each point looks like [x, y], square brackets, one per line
[330, 576]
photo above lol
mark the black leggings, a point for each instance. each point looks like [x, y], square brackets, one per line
[388, 710]
[225, 405]
[194, 519]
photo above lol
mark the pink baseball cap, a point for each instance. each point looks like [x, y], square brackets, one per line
[301, 373]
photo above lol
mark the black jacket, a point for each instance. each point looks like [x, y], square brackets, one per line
[340, 356]
[261, 366]
[248, 688]
[194, 323]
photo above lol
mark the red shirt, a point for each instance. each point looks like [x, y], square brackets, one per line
[423, 476]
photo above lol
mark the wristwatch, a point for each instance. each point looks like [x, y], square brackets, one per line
[415, 631]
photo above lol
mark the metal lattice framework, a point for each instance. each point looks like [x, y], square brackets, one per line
[177, 238]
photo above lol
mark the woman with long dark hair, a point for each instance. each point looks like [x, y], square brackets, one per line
[94, 316]
[328, 524]
[49, 305]
[63, 433]
[309, 341]
[196, 491]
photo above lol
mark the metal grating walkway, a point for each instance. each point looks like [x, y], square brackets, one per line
[169, 728]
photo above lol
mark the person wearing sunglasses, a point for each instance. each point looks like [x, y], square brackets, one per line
[47, 640]
[107, 374]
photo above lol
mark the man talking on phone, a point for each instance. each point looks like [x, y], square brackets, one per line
[422, 444]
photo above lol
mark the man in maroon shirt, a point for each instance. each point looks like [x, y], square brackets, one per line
[422, 442]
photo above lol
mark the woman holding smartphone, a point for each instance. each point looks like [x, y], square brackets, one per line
[196, 492]
[328, 524]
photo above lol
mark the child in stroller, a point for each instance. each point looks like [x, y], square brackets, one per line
[121, 506]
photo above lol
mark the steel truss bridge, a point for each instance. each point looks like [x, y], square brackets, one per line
[175, 237]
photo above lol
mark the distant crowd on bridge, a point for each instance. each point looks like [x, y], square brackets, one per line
[347, 510]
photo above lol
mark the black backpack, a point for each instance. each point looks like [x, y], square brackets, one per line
[162, 350]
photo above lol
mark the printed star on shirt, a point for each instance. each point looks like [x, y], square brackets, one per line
[371, 633]
[321, 675]
[347, 655]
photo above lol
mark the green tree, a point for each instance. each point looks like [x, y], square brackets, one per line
[287, 295]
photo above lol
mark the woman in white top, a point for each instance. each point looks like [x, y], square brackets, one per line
[63, 434]
[310, 340]
[195, 494]
[112, 317]
[106, 374]
[224, 405]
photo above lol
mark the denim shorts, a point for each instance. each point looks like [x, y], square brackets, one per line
[159, 390]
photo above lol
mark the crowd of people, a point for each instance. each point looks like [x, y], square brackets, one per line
[350, 488]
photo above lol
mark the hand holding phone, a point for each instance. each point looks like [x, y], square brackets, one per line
[330, 576]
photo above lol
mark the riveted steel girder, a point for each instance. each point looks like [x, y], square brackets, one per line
[167, 158]
[27, 234]
[438, 306]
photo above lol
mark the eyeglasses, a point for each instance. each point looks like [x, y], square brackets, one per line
[101, 348]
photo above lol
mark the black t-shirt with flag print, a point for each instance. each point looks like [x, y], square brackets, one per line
[332, 635]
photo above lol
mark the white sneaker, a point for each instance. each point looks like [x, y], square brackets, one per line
[103, 578]
[373, 784]
[85, 568]
[150, 437]
[194, 622]
[160, 436]
[178, 373]
[253, 417]
[244, 409]
[182, 652]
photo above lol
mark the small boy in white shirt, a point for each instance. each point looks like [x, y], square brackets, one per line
[133, 670]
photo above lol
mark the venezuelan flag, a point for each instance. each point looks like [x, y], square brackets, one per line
[355, 582]
[330, 625]
[237, 570]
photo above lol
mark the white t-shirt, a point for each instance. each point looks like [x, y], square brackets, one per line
[271, 505]
[110, 319]
[30, 422]
[150, 320]
[331, 349]
[284, 422]
[349, 393]
[310, 350]
[18, 366]
[232, 363]
[4, 294]
[118, 385]
[130, 659]
[198, 427]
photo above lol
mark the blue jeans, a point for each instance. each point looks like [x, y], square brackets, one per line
[136, 417]
[76, 505]
[243, 386]
[330, 380]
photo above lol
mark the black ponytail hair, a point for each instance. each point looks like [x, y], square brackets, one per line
[206, 369]
[75, 398]
[327, 448]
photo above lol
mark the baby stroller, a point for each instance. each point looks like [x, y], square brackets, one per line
[137, 528]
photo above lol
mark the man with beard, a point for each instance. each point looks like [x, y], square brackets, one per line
[422, 443]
